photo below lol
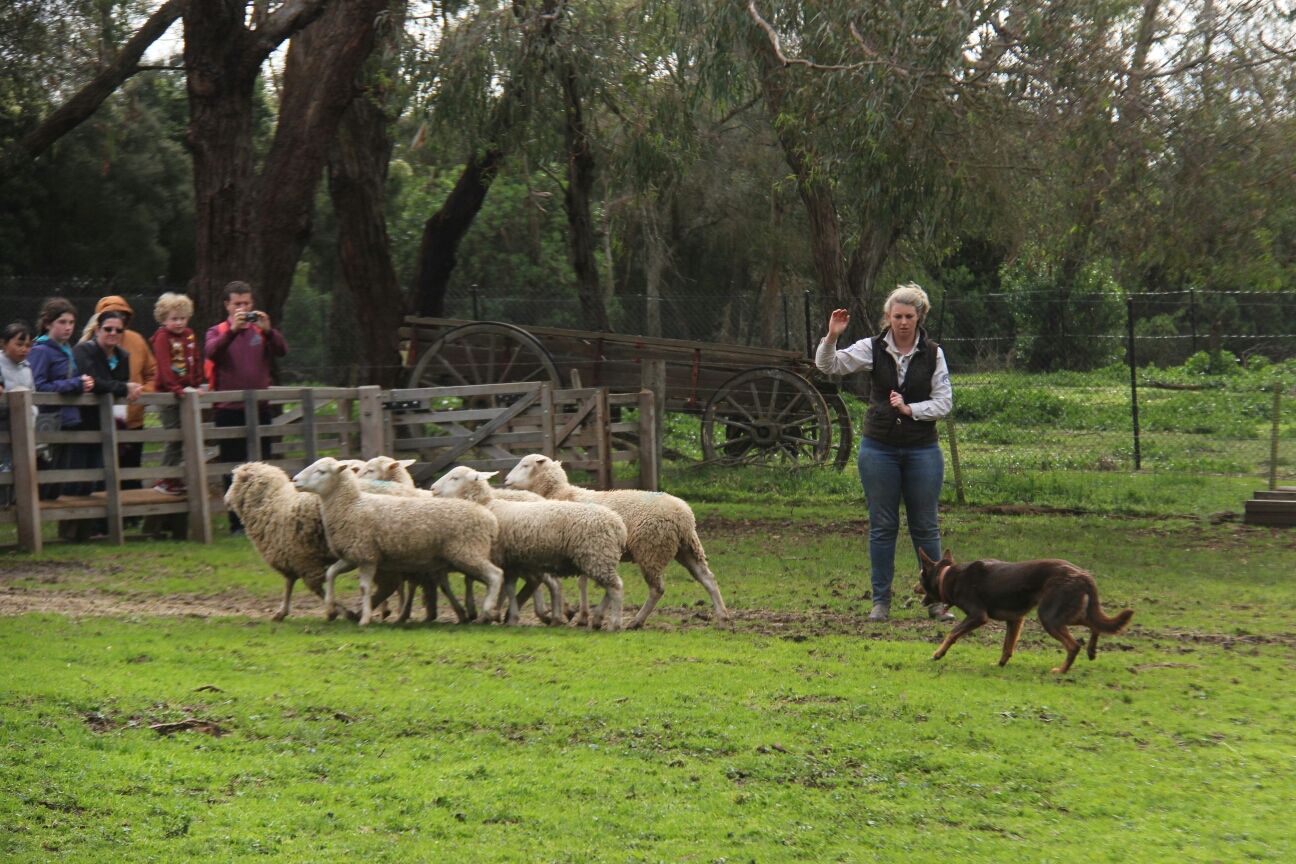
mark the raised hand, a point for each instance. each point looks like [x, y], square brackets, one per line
[837, 324]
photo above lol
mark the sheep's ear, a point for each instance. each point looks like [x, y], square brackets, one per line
[405, 463]
[485, 476]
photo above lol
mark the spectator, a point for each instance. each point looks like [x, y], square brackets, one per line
[108, 366]
[175, 351]
[15, 374]
[55, 371]
[104, 360]
[239, 353]
[143, 371]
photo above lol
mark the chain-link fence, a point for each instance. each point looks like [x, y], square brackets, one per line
[1042, 379]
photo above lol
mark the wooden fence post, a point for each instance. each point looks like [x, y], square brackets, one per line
[371, 422]
[547, 420]
[344, 438]
[954, 458]
[603, 431]
[252, 423]
[195, 465]
[22, 426]
[1273, 437]
[111, 470]
[653, 377]
[649, 444]
[310, 442]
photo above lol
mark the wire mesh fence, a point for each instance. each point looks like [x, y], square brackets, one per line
[1042, 379]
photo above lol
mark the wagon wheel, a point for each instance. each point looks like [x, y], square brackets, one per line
[845, 434]
[766, 415]
[485, 353]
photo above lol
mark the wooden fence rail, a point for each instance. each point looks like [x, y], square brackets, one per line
[489, 427]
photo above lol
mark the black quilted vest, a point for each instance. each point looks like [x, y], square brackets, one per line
[886, 424]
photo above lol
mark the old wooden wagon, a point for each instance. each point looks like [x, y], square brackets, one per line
[756, 404]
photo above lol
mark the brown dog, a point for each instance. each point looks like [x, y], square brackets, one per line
[988, 589]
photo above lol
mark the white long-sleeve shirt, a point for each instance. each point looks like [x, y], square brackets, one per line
[860, 356]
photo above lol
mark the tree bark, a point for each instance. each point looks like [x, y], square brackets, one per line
[358, 160]
[318, 87]
[580, 219]
[87, 100]
[223, 58]
[657, 254]
[442, 232]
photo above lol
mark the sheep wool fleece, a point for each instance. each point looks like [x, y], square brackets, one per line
[559, 537]
[414, 534]
[286, 529]
[660, 527]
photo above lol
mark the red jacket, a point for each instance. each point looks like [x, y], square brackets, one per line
[177, 360]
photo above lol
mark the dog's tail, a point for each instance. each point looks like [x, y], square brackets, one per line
[1099, 622]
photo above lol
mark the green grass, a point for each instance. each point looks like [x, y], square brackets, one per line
[450, 743]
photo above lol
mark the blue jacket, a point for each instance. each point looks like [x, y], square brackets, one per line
[55, 372]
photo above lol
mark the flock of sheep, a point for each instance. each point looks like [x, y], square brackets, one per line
[336, 516]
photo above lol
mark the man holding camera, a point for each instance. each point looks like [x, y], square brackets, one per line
[240, 351]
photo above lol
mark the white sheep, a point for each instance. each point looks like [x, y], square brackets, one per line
[558, 537]
[287, 530]
[388, 476]
[417, 535]
[660, 527]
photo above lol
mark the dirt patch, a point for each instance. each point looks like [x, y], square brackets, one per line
[50, 572]
[105, 604]
[721, 525]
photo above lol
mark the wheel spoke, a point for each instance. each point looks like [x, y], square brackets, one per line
[760, 408]
[472, 361]
[788, 407]
[512, 358]
[446, 363]
[774, 396]
[729, 398]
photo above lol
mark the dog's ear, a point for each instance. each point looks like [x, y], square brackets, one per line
[948, 556]
[922, 556]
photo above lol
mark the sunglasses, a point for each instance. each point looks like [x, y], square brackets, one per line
[113, 329]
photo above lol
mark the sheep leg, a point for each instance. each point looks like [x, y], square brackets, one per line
[557, 606]
[613, 599]
[330, 598]
[367, 573]
[510, 588]
[583, 617]
[699, 570]
[429, 599]
[443, 579]
[286, 607]
[494, 579]
[656, 588]
[407, 603]
[470, 600]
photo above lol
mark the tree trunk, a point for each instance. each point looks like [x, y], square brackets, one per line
[871, 251]
[221, 126]
[318, 86]
[656, 258]
[358, 162]
[770, 290]
[580, 188]
[223, 58]
[448, 225]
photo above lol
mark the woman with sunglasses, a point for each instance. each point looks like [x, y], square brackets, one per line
[104, 360]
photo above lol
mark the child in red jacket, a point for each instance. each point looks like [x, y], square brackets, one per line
[175, 349]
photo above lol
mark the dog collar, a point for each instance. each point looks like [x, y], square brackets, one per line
[940, 583]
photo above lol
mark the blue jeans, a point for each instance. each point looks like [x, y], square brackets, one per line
[890, 474]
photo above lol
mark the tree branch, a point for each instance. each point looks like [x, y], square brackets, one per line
[291, 16]
[784, 60]
[87, 100]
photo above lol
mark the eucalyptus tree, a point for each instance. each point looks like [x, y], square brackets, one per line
[253, 221]
[50, 48]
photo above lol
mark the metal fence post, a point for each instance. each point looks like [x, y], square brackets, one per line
[1192, 316]
[1133, 364]
[1273, 437]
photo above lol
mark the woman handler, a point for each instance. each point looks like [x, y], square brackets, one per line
[900, 456]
